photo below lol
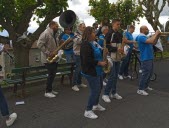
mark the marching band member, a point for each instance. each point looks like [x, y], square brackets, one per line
[68, 51]
[92, 62]
[77, 77]
[125, 62]
[115, 37]
[145, 46]
[101, 39]
[95, 26]
[47, 43]
[104, 31]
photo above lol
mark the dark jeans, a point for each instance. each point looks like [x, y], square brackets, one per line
[112, 79]
[77, 78]
[125, 64]
[147, 70]
[3, 104]
[95, 85]
[52, 68]
[69, 58]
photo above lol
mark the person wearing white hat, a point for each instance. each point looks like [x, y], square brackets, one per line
[77, 78]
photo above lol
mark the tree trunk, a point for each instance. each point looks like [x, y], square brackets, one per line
[21, 56]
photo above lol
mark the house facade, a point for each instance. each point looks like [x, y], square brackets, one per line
[7, 63]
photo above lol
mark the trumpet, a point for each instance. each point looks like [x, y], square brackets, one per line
[164, 34]
[161, 33]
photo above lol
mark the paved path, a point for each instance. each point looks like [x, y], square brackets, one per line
[66, 110]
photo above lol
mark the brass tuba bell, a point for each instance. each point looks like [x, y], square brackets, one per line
[67, 19]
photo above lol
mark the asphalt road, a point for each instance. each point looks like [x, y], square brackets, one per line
[67, 109]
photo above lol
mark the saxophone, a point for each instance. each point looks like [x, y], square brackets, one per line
[56, 57]
[118, 56]
[124, 46]
[106, 68]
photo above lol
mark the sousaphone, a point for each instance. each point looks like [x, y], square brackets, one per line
[66, 20]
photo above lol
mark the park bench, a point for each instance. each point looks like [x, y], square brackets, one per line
[20, 76]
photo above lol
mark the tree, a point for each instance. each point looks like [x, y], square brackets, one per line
[15, 16]
[100, 10]
[126, 10]
[152, 10]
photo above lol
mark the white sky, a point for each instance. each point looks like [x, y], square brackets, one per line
[80, 7]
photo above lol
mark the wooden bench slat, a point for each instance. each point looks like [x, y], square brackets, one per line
[28, 74]
[10, 81]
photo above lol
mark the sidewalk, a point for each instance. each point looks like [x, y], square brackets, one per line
[67, 109]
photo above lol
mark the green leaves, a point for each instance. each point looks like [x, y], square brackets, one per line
[1, 29]
[100, 9]
[15, 10]
[126, 10]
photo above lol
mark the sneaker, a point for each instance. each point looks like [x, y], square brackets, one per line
[116, 96]
[142, 92]
[104, 83]
[127, 77]
[11, 119]
[140, 71]
[106, 80]
[54, 92]
[149, 89]
[90, 114]
[83, 85]
[75, 88]
[49, 95]
[120, 77]
[106, 98]
[98, 107]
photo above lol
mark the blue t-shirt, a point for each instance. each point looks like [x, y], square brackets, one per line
[101, 40]
[97, 56]
[64, 38]
[129, 36]
[146, 50]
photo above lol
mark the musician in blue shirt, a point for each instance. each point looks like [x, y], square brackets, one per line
[101, 40]
[68, 49]
[145, 45]
[91, 63]
[102, 36]
[125, 62]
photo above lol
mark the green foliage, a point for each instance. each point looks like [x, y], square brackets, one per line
[1, 29]
[3, 84]
[128, 11]
[100, 9]
[50, 6]
[15, 16]
[165, 54]
[15, 9]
